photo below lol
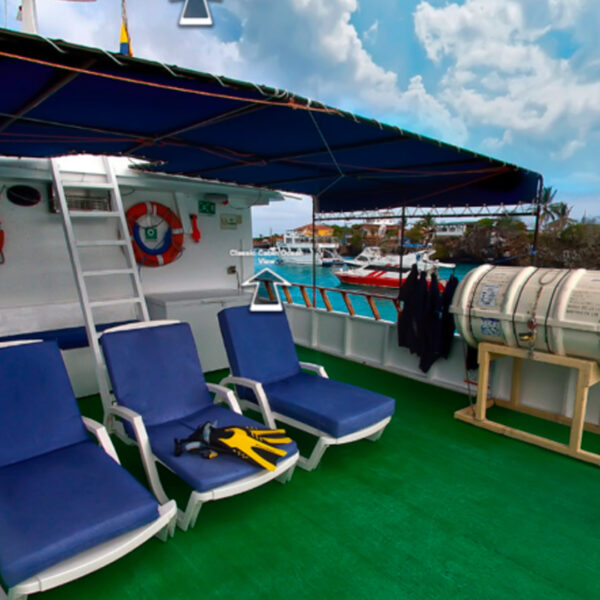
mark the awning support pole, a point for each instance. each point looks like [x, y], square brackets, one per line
[536, 232]
[314, 253]
[402, 226]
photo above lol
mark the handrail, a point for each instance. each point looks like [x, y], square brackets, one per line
[355, 293]
[324, 292]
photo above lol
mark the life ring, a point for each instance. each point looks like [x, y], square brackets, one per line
[171, 246]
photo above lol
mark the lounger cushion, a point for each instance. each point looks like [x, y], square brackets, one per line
[67, 338]
[200, 473]
[259, 345]
[156, 372]
[54, 506]
[331, 406]
[38, 410]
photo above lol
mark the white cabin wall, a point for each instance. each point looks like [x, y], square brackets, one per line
[37, 271]
[37, 287]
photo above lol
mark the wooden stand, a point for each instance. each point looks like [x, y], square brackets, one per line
[588, 375]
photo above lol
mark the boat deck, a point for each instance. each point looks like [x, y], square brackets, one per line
[435, 509]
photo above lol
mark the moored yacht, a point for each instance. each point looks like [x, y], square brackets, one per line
[374, 269]
[297, 249]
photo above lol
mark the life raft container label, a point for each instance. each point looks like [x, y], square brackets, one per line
[491, 328]
[488, 295]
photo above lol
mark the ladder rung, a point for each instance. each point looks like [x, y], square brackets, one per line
[116, 301]
[88, 185]
[100, 243]
[107, 272]
[94, 214]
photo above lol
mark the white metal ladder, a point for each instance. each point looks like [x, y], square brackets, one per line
[121, 239]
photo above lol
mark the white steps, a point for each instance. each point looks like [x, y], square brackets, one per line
[126, 259]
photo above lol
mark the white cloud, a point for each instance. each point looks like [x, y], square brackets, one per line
[321, 55]
[494, 144]
[370, 34]
[565, 13]
[568, 150]
[498, 74]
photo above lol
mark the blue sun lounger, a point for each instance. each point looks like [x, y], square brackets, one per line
[66, 506]
[161, 395]
[266, 371]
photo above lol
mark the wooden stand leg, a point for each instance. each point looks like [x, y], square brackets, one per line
[482, 385]
[579, 410]
[515, 387]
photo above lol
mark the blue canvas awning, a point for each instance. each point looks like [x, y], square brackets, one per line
[58, 98]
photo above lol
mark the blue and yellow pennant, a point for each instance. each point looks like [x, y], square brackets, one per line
[125, 47]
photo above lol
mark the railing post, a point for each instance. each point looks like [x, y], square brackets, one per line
[348, 302]
[374, 310]
[288, 296]
[305, 295]
[325, 299]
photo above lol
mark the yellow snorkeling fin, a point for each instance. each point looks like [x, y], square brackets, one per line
[249, 443]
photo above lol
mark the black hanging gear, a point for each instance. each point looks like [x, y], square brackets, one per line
[447, 317]
[406, 295]
[431, 326]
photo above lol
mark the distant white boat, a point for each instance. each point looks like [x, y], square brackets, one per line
[297, 249]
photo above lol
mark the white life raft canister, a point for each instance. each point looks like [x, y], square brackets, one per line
[505, 305]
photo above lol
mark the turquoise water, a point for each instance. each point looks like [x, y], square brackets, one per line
[326, 278]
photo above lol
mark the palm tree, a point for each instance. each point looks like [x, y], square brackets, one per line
[546, 199]
[428, 227]
[560, 217]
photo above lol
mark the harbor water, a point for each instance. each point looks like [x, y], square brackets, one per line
[302, 274]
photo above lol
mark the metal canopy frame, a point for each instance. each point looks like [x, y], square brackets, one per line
[405, 212]
[440, 212]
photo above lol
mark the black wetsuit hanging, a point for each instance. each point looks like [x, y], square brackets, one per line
[406, 294]
[447, 317]
[417, 342]
[431, 330]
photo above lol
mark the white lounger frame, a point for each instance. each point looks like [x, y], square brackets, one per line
[270, 417]
[99, 556]
[187, 518]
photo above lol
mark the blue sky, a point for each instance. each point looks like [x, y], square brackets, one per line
[515, 79]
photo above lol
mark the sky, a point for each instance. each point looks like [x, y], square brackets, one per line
[518, 80]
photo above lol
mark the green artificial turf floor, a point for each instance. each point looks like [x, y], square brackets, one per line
[435, 509]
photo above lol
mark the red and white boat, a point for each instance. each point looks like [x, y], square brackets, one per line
[372, 275]
[386, 273]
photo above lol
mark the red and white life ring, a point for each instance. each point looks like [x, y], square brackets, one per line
[172, 244]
